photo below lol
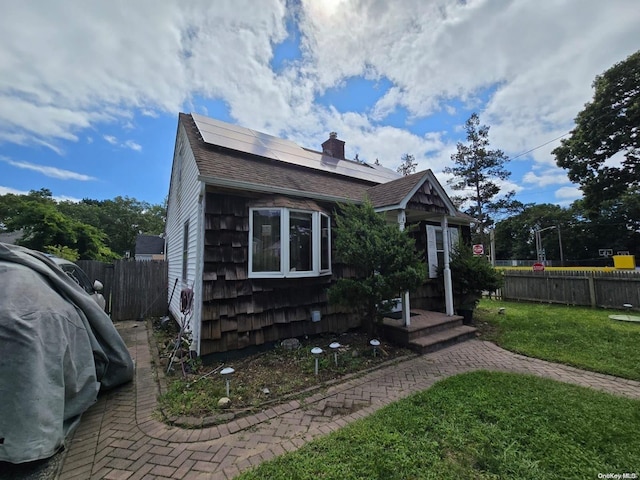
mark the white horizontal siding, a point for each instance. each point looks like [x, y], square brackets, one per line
[183, 205]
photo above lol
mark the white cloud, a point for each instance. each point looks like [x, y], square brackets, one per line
[65, 198]
[126, 144]
[5, 190]
[80, 65]
[567, 195]
[546, 178]
[133, 145]
[52, 172]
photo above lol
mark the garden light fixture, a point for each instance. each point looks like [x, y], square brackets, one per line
[316, 351]
[375, 344]
[335, 346]
[226, 374]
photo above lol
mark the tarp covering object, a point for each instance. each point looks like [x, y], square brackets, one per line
[58, 348]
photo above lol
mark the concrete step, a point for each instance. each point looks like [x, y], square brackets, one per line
[442, 339]
[423, 323]
[433, 326]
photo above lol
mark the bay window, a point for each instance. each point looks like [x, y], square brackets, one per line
[287, 242]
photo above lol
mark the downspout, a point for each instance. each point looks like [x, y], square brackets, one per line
[197, 287]
[448, 285]
[406, 307]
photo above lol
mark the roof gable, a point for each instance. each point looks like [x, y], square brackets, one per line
[419, 191]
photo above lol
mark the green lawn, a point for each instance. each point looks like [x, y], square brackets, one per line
[583, 337]
[480, 425]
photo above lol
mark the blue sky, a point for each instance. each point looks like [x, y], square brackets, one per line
[90, 91]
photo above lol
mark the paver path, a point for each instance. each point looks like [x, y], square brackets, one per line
[118, 437]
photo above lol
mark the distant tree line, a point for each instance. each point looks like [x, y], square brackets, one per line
[581, 235]
[88, 230]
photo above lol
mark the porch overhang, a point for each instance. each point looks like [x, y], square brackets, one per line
[412, 199]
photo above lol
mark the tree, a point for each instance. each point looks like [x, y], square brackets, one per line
[408, 165]
[475, 173]
[46, 227]
[385, 261]
[95, 228]
[615, 225]
[121, 219]
[63, 252]
[515, 239]
[608, 127]
[471, 275]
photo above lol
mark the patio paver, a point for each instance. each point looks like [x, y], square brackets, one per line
[119, 438]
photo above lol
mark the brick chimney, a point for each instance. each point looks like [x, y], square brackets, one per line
[333, 146]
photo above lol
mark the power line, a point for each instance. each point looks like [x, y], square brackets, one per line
[540, 146]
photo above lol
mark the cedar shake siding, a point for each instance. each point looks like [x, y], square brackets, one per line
[238, 311]
[250, 227]
[426, 200]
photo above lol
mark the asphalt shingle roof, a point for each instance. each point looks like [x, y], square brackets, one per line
[149, 244]
[217, 162]
[392, 193]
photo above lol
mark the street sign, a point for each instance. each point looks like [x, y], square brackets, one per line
[478, 249]
[538, 267]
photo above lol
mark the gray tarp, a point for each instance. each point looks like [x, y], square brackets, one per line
[57, 350]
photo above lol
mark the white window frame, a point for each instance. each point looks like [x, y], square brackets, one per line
[327, 270]
[285, 244]
[432, 252]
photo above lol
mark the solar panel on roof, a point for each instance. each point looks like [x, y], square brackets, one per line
[250, 141]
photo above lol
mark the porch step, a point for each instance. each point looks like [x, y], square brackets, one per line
[431, 325]
[423, 323]
[442, 339]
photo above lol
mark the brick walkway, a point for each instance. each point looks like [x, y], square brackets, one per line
[119, 438]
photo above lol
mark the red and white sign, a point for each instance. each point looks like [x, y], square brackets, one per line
[478, 249]
[538, 267]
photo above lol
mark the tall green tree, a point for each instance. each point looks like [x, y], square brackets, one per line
[515, 238]
[408, 165]
[121, 219]
[476, 173]
[385, 260]
[44, 226]
[602, 154]
[615, 225]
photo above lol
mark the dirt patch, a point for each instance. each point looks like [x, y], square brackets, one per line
[486, 330]
[264, 379]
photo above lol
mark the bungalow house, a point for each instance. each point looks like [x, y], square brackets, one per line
[249, 233]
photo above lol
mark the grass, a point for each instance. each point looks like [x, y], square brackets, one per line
[480, 425]
[583, 337]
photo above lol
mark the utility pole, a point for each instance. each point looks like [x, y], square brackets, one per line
[542, 258]
[560, 245]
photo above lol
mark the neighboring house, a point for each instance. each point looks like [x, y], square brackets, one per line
[11, 237]
[149, 247]
[249, 230]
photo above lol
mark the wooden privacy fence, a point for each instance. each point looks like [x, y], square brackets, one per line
[593, 288]
[133, 290]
